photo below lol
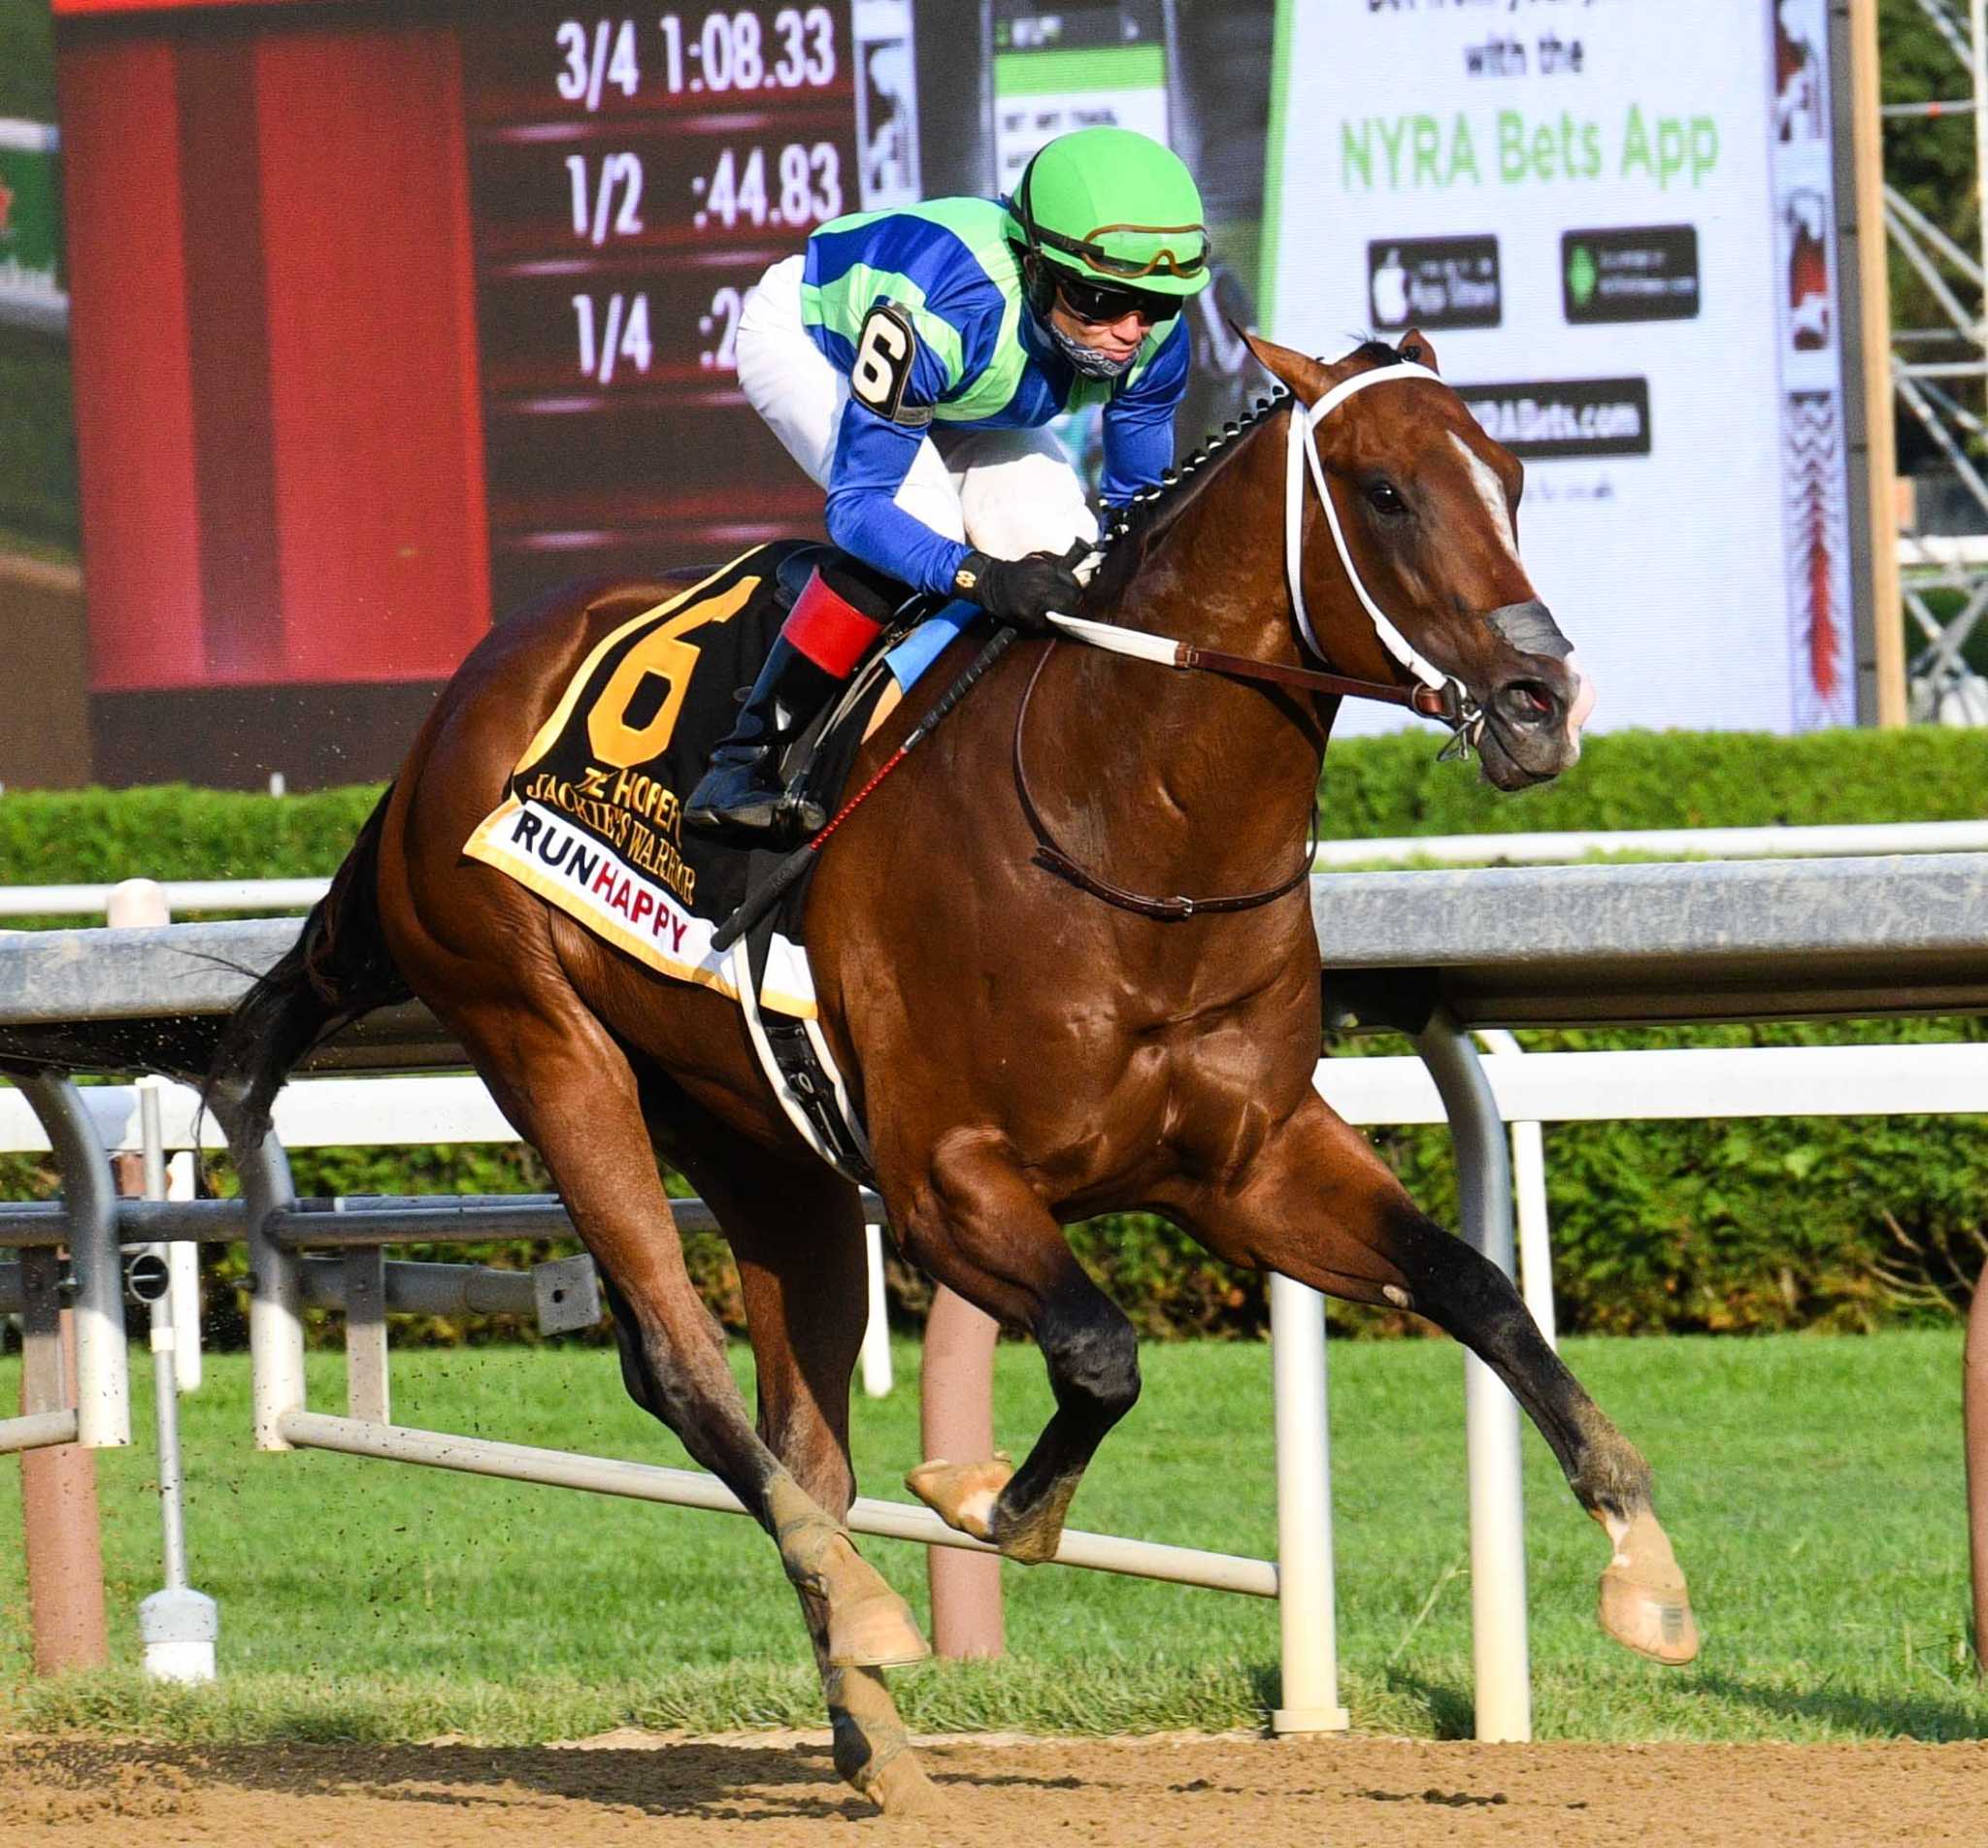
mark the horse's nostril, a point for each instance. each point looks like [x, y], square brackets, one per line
[1528, 702]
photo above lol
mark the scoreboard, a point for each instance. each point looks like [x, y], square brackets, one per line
[631, 178]
[389, 315]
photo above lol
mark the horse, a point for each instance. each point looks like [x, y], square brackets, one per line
[1030, 1042]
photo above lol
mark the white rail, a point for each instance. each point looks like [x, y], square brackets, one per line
[693, 1489]
[1451, 849]
[1543, 1087]
[181, 895]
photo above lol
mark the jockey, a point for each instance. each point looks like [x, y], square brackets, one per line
[908, 361]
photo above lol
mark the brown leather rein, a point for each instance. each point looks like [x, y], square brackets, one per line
[1430, 702]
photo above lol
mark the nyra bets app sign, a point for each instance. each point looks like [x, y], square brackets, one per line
[1614, 218]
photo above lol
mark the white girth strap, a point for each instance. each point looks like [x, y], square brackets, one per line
[1304, 454]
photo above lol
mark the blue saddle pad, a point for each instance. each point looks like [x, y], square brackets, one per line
[929, 641]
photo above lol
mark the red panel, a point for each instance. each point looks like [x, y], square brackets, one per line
[371, 349]
[87, 9]
[234, 447]
[128, 339]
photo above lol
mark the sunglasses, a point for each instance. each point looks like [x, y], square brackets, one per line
[1098, 305]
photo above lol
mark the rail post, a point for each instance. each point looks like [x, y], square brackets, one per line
[177, 1624]
[183, 1260]
[1502, 1655]
[1974, 1409]
[1529, 1195]
[63, 1547]
[876, 1381]
[103, 1392]
[956, 1421]
[1307, 1620]
[276, 1302]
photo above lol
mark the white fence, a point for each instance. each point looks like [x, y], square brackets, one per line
[1530, 1090]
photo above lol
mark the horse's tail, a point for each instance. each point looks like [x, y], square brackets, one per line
[339, 968]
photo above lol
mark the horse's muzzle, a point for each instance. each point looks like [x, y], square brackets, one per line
[1533, 715]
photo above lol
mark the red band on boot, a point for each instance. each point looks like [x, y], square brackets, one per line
[831, 633]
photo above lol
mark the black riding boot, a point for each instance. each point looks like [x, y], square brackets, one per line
[834, 621]
[741, 795]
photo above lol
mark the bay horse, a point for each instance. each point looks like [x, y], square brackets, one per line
[1025, 1053]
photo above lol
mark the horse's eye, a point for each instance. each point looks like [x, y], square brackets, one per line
[1385, 498]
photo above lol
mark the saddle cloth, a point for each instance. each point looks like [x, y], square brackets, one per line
[592, 818]
[592, 815]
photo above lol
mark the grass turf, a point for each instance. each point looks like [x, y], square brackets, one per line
[1813, 1487]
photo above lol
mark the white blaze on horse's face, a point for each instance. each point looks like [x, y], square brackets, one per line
[1491, 491]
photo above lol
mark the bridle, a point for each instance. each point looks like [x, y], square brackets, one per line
[1434, 694]
[1455, 706]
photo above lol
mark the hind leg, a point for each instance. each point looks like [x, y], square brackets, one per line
[1319, 1205]
[977, 1226]
[569, 1089]
[797, 1232]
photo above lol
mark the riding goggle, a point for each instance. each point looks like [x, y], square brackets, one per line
[1163, 261]
[1096, 305]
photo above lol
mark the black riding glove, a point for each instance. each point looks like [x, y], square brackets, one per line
[1019, 590]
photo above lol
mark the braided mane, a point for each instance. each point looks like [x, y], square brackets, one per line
[1124, 541]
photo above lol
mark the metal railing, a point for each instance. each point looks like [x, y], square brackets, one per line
[1440, 952]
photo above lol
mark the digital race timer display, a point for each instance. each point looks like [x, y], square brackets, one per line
[632, 177]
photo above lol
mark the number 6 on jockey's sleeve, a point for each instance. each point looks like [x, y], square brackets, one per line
[885, 355]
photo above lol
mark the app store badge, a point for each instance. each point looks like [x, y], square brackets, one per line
[1434, 283]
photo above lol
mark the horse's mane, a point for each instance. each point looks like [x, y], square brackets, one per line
[1135, 526]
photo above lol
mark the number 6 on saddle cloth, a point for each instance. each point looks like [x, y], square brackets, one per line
[593, 814]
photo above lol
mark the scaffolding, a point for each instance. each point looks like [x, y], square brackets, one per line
[1937, 371]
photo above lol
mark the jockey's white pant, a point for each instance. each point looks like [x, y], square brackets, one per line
[1006, 492]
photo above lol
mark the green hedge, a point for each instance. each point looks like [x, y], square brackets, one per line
[1845, 1223]
[88, 836]
[1378, 786]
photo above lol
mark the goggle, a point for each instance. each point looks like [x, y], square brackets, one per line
[1097, 303]
[1163, 261]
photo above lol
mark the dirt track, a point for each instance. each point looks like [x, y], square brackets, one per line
[779, 1792]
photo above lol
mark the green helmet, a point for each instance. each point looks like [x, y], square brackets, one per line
[1116, 209]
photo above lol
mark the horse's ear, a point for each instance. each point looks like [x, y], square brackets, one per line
[1415, 348]
[1308, 380]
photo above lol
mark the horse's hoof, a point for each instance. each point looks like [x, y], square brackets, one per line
[963, 1493]
[876, 1631]
[900, 1787]
[1644, 1604]
[1655, 1624]
[1035, 1545]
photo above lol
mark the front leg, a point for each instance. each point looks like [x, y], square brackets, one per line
[1316, 1203]
[975, 1225]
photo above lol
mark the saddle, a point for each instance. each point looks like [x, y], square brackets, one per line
[592, 819]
